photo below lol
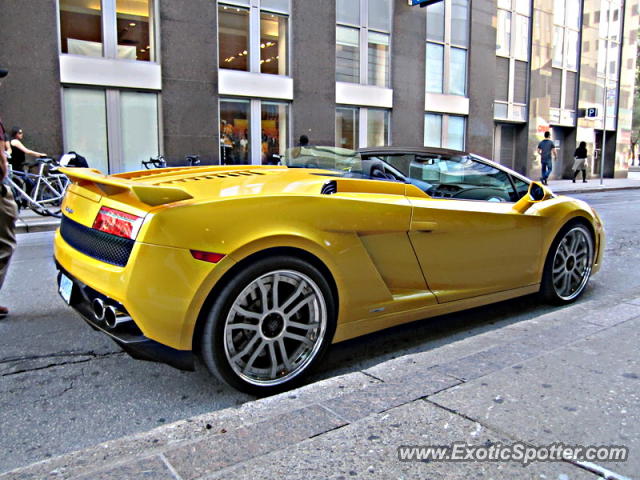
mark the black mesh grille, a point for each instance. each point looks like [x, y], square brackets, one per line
[99, 245]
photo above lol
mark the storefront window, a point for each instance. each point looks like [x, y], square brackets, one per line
[273, 44]
[85, 125]
[81, 27]
[234, 132]
[377, 127]
[233, 36]
[347, 128]
[274, 127]
[134, 30]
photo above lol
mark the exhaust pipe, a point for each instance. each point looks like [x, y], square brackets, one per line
[98, 309]
[111, 318]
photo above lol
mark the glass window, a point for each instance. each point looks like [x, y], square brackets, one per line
[460, 22]
[556, 87]
[521, 47]
[572, 17]
[614, 57]
[503, 40]
[378, 65]
[432, 130]
[558, 42]
[602, 52]
[274, 127]
[435, 22]
[134, 30]
[233, 38]
[347, 55]
[273, 44]
[457, 71]
[139, 121]
[235, 137]
[377, 127]
[523, 7]
[522, 188]
[506, 4]
[81, 27]
[85, 125]
[502, 79]
[435, 67]
[276, 5]
[520, 82]
[558, 11]
[347, 127]
[500, 110]
[455, 133]
[462, 178]
[572, 49]
[570, 94]
[348, 11]
[380, 14]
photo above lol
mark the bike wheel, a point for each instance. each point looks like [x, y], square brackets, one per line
[47, 201]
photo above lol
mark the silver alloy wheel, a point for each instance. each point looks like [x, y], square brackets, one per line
[275, 327]
[572, 263]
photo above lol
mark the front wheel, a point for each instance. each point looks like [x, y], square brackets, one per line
[568, 265]
[269, 326]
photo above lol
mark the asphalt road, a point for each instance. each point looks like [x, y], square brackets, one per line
[64, 387]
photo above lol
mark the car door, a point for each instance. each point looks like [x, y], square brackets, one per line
[468, 239]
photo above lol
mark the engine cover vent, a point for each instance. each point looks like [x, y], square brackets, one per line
[329, 188]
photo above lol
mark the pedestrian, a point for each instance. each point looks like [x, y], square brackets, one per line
[19, 151]
[580, 162]
[304, 141]
[8, 212]
[547, 151]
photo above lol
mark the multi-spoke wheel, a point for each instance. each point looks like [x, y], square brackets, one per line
[568, 265]
[269, 325]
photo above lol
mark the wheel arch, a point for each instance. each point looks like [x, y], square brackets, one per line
[258, 255]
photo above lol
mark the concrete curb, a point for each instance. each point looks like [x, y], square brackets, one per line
[595, 190]
[212, 443]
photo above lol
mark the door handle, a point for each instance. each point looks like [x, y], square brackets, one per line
[423, 226]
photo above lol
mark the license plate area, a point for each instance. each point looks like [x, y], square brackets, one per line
[66, 288]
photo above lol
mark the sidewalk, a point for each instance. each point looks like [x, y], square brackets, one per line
[30, 222]
[554, 378]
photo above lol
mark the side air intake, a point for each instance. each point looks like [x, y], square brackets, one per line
[329, 188]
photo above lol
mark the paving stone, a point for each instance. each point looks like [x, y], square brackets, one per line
[145, 469]
[585, 394]
[381, 397]
[205, 456]
[369, 449]
[615, 315]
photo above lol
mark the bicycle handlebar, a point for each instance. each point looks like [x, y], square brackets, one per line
[157, 162]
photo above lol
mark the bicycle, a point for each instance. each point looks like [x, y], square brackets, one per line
[42, 192]
[160, 162]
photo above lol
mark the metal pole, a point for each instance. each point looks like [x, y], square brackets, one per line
[606, 94]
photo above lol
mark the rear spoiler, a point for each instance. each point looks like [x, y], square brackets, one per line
[149, 194]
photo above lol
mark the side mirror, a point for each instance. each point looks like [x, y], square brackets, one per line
[536, 193]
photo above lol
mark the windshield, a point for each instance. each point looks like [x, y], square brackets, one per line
[336, 159]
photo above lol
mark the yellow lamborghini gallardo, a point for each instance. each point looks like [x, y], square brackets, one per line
[258, 269]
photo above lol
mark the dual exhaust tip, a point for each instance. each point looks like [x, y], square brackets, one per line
[108, 314]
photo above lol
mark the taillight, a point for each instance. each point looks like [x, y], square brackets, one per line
[117, 223]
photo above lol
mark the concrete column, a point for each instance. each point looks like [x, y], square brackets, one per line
[313, 67]
[482, 74]
[408, 74]
[30, 95]
[189, 56]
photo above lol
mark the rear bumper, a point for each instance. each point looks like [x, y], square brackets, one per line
[128, 336]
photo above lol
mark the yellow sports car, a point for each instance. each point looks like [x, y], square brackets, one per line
[258, 269]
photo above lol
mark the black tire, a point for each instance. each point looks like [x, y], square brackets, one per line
[566, 273]
[257, 313]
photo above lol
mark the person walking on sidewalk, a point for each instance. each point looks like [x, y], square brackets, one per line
[8, 213]
[580, 162]
[547, 151]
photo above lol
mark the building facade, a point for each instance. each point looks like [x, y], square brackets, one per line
[238, 81]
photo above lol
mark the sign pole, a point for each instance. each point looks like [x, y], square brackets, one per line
[606, 94]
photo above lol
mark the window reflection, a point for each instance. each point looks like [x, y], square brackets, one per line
[347, 127]
[234, 132]
[134, 30]
[347, 55]
[378, 59]
[377, 127]
[233, 38]
[273, 44]
[81, 27]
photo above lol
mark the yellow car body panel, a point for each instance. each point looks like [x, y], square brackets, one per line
[394, 254]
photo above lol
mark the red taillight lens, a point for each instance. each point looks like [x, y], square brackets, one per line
[117, 223]
[207, 256]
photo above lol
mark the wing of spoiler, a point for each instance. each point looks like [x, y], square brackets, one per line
[149, 194]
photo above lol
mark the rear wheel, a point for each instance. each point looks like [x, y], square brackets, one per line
[269, 326]
[568, 264]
